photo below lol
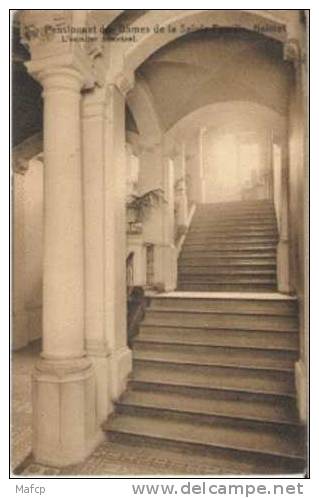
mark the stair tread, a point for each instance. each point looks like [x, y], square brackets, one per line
[281, 412]
[231, 287]
[229, 254]
[211, 236]
[231, 240]
[251, 296]
[212, 320]
[244, 279]
[213, 250]
[213, 436]
[243, 381]
[222, 328]
[234, 339]
[239, 233]
[216, 359]
[227, 312]
[230, 270]
[239, 262]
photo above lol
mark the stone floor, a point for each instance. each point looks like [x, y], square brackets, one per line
[110, 458]
[21, 413]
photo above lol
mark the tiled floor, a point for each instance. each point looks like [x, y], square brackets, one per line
[110, 458]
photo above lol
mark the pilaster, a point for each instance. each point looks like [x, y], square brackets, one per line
[115, 233]
[96, 344]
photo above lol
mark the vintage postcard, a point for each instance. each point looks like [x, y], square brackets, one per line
[160, 235]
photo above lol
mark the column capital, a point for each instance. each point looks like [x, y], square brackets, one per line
[60, 39]
[73, 66]
[124, 81]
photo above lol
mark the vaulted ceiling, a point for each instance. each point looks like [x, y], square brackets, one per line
[208, 67]
[194, 71]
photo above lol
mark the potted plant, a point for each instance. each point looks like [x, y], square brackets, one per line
[138, 206]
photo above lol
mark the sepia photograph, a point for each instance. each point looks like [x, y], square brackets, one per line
[159, 256]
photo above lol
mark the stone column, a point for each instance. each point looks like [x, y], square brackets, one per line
[93, 136]
[115, 236]
[65, 424]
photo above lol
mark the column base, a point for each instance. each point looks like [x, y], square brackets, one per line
[99, 355]
[120, 365]
[301, 388]
[65, 422]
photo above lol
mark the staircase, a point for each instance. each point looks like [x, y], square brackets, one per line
[213, 372]
[230, 247]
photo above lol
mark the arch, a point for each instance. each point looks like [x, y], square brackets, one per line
[175, 23]
[140, 102]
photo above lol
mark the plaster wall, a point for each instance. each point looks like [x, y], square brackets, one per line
[33, 231]
[27, 255]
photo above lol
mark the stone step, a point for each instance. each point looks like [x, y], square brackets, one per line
[210, 355]
[234, 207]
[228, 279]
[212, 249]
[222, 287]
[240, 380]
[214, 242]
[214, 356]
[201, 319]
[228, 257]
[259, 339]
[226, 287]
[227, 262]
[269, 226]
[238, 227]
[230, 244]
[274, 305]
[241, 241]
[214, 272]
[247, 213]
[237, 202]
[231, 234]
[211, 235]
[265, 442]
[200, 222]
[231, 268]
[279, 411]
